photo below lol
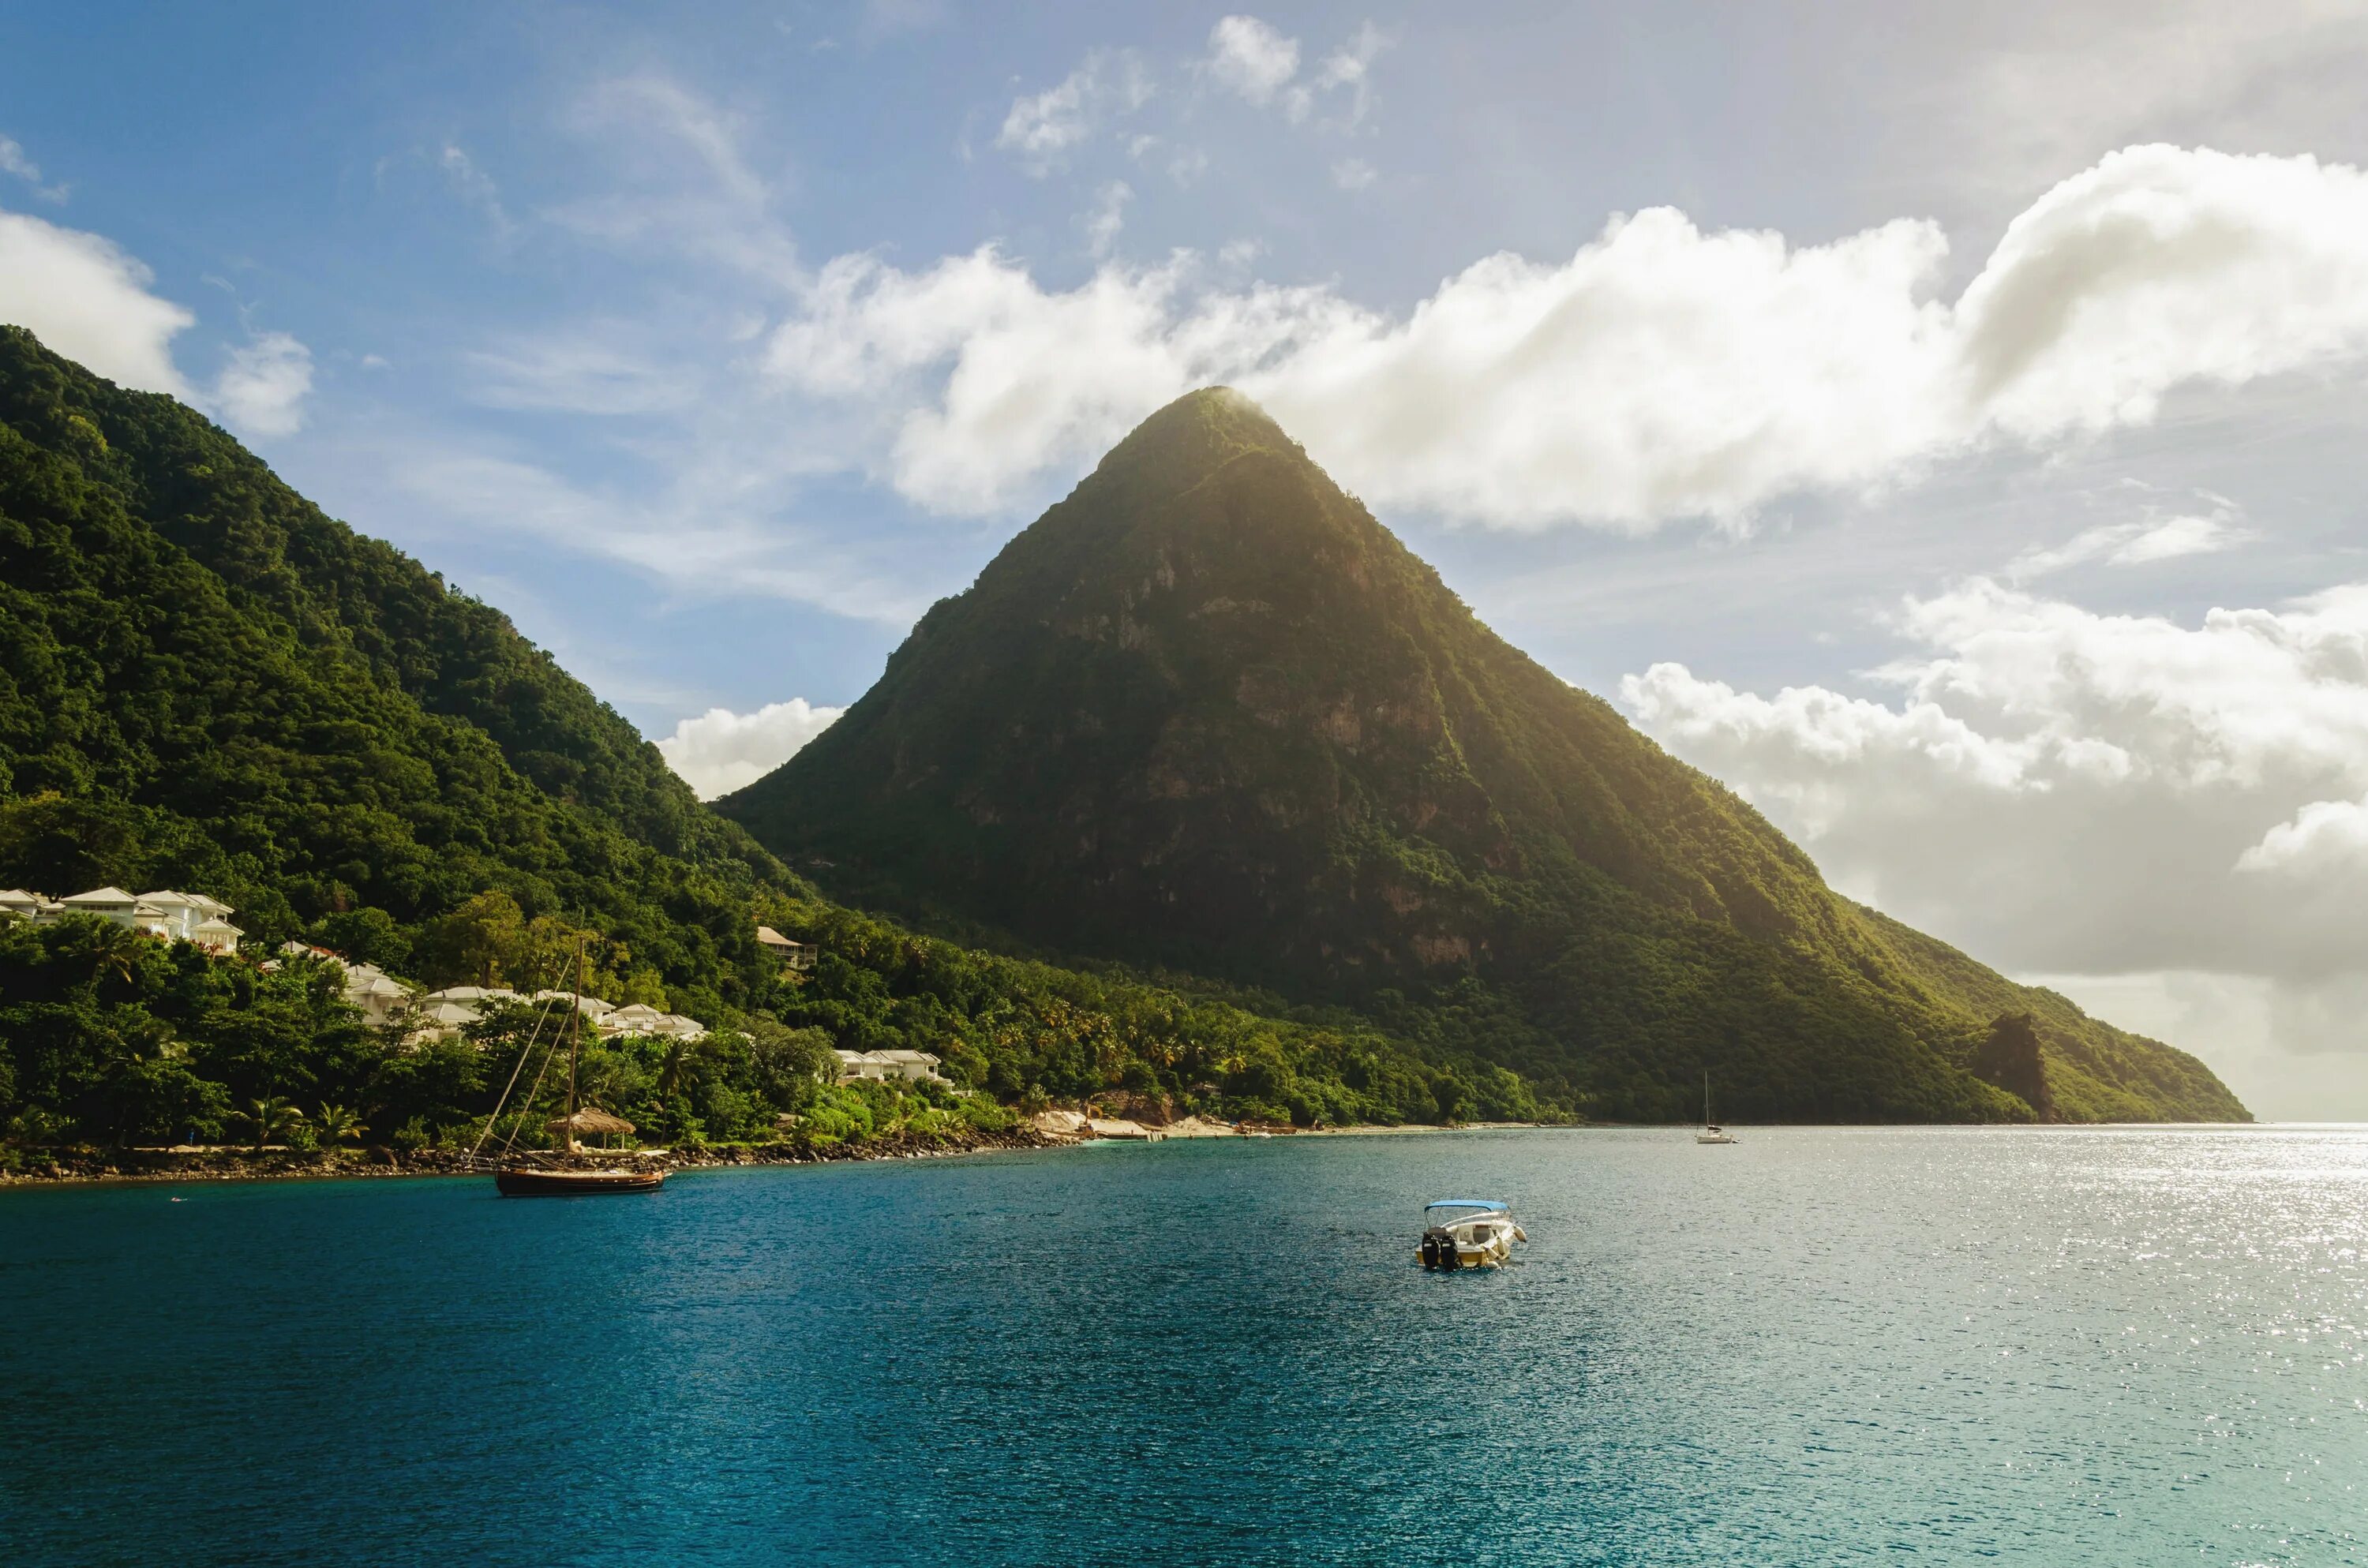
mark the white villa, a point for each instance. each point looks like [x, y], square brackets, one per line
[590, 1007]
[379, 994]
[445, 1013]
[794, 955]
[174, 917]
[912, 1067]
[381, 997]
[640, 1018]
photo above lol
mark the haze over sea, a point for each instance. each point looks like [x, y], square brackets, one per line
[2112, 1346]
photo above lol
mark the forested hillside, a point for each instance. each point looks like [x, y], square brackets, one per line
[206, 683]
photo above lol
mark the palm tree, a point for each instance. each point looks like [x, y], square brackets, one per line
[110, 950]
[273, 1118]
[337, 1125]
[672, 1067]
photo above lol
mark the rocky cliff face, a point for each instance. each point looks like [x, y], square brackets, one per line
[1208, 713]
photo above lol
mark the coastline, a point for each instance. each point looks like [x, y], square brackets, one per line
[89, 1167]
[146, 1167]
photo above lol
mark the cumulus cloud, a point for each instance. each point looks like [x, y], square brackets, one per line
[2070, 792]
[2323, 835]
[984, 378]
[262, 390]
[721, 751]
[1042, 128]
[88, 299]
[1251, 58]
[1661, 372]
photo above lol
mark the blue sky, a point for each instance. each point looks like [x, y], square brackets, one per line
[1943, 423]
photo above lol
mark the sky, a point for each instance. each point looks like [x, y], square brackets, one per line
[1943, 423]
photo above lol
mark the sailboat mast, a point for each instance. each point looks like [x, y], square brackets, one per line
[574, 1036]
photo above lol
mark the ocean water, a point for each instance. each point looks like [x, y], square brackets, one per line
[2110, 1346]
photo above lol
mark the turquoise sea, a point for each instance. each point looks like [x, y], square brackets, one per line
[2111, 1346]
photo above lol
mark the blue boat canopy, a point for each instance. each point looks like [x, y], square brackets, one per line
[1488, 1203]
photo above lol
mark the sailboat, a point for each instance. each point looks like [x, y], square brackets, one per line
[521, 1178]
[1712, 1131]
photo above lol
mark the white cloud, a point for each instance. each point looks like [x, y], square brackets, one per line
[2323, 835]
[1351, 66]
[1354, 174]
[1251, 58]
[1661, 372]
[1042, 128]
[983, 379]
[721, 751]
[2137, 542]
[89, 301]
[595, 369]
[476, 187]
[1103, 224]
[689, 183]
[14, 160]
[262, 390]
[2067, 793]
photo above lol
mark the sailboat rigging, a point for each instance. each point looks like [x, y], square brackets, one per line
[523, 1177]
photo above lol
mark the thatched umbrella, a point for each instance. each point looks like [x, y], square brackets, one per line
[591, 1118]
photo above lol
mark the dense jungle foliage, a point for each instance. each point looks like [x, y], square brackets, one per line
[1207, 713]
[206, 683]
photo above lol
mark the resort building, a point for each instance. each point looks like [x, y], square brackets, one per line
[174, 917]
[590, 1007]
[26, 906]
[795, 955]
[193, 918]
[381, 998]
[640, 1018]
[911, 1066]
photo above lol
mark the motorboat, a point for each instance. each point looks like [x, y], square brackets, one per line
[1468, 1232]
[1712, 1132]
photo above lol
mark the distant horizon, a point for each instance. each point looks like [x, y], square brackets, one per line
[1946, 433]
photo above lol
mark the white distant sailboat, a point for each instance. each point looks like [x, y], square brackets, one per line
[1712, 1131]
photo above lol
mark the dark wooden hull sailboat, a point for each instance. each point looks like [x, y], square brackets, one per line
[525, 1177]
[526, 1181]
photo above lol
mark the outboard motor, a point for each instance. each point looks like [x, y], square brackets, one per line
[1439, 1249]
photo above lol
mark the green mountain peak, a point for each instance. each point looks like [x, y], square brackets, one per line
[1207, 713]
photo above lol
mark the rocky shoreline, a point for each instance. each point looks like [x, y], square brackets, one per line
[1052, 1130]
[94, 1165]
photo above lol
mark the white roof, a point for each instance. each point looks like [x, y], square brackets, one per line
[101, 896]
[192, 900]
[592, 1006]
[374, 985]
[19, 895]
[905, 1056]
[638, 1012]
[449, 1012]
[472, 994]
[150, 910]
[773, 938]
